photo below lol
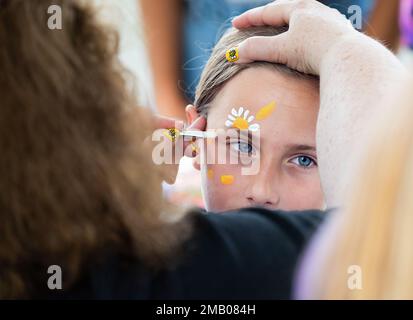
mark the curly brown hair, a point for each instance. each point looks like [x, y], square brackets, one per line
[76, 181]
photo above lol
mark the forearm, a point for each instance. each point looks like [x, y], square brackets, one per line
[163, 34]
[355, 77]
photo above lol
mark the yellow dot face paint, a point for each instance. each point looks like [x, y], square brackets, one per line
[210, 174]
[227, 180]
[232, 54]
[266, 111]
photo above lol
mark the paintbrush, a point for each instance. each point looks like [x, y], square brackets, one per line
[173, 134]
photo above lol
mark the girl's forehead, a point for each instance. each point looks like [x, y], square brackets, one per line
[267, 101]
[253, 91]
[269, 112]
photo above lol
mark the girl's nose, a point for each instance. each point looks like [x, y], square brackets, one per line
[262, 194]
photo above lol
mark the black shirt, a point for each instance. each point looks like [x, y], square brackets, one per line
[247, 254]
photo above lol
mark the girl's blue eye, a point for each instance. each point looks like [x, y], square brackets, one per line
[304, 161]
[243, 147]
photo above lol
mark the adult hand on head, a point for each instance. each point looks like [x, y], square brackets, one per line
[313, 30]
[182, 146]
[356, 74]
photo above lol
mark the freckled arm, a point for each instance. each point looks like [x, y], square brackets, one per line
[355, 77]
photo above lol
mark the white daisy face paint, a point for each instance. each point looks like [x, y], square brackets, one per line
[241, 120]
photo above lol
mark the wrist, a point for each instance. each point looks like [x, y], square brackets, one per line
[343, 47]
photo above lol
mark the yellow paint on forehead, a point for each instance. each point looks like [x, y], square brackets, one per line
[266, 111]
[210, 174]
[240, 123]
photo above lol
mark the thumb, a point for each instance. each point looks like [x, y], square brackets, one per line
[263, 48]
[161, 122]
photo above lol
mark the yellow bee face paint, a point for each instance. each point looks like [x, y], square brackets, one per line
[172, 134]
[227, 179]
[194, 149]
[232, 54]
[266, 111]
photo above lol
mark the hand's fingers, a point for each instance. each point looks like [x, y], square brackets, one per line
[273, 14]
[167, 123]
[271, 49]
[170, 172]
[198, 124]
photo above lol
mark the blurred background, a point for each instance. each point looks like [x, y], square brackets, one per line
[165, 44]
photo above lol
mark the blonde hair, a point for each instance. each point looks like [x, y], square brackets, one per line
[375, 232]
[218, 71]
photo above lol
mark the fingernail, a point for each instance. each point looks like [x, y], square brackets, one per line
[232, 54]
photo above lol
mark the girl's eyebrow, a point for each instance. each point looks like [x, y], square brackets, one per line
[241, 136]
[250, 133]
[228, 138]
[300, 147]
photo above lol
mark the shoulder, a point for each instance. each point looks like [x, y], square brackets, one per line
[246, 254]
[258, 222]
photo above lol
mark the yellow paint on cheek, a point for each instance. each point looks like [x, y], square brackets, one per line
[266, 111]
[227, 180]
[210, 174]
